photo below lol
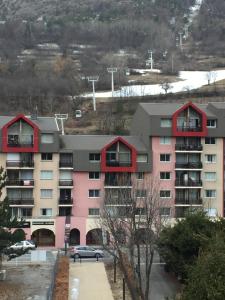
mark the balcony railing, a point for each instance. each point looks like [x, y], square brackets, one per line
[118, 201]
[116, 163]
[110, 182]
[19, 164]
[66, 164]
[188, 182]
[65, 201]
[191, 147]
[189, 128]
[189, 165]
[20, 182]
[23, 140]
[21, 201]
[188, 201]
[64, 182]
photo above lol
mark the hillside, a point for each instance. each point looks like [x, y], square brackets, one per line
[48, 48]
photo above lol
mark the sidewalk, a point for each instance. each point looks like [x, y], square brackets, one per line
[88, 281]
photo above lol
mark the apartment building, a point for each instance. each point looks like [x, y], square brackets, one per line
[59, 182]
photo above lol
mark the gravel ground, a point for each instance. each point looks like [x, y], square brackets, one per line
[26, 282]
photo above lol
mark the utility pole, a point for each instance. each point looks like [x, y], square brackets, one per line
[151, 58]
[93, 79]
[181, 41]
[172, 63]
[186, 31]
[112, 70]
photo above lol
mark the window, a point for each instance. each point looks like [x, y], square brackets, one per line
[93, 157]
[46, 193]
[142, 158]
[166, 123]
[165, 194]
[210, 141]
[46, 211]
[93, 212]
[211, 123]
[164, 211]
[46, 156]
[140, 175]
[210, 193]
[210, 176]
[47, 138]
[141, 193]
[210, 158]
[94, 175]
[94, 193]
[165, 157]
[165, 175]
[140, 211]
[47, 175]
[165, 140]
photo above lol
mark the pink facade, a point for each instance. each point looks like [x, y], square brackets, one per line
[159, 148]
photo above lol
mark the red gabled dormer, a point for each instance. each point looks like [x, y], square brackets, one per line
[118, 156]
[20, 135]
[189, 120]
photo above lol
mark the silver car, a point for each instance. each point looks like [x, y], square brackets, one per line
[86, 251]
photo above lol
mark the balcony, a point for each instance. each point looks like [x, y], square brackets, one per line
[189, 165]
[189, 128]
[188, 201]
[23, 140]
[118, 201]
[21, 201]
[19, 164]
[117, 163]
[66, 164]
[66, 182]
[188, 183]
[192, 147]
[20, 182]
[65, 201]
[118, 182]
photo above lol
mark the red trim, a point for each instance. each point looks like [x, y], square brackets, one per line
[191, 133]
[133, 167]
[6, 148]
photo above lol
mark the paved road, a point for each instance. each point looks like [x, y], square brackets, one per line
[162, 284]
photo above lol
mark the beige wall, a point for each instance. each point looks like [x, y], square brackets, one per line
[217, 167]
[46, 184]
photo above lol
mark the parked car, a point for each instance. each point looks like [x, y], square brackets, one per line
[85, 251]
[32, 242]
[23, 245]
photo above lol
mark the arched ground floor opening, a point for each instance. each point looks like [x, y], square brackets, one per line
[74, 238]
[44, 237]
[94, 237]
[144, 235]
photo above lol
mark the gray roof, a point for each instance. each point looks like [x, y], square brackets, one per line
[43, 123]
[97, 142]
[168, 109]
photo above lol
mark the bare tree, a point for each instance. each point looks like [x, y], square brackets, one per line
[166, 86]
[131, 215]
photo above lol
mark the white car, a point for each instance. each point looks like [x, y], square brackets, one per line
[22, 245]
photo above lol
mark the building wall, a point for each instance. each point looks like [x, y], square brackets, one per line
[46, 184]
[158, 167]
[217, 149]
